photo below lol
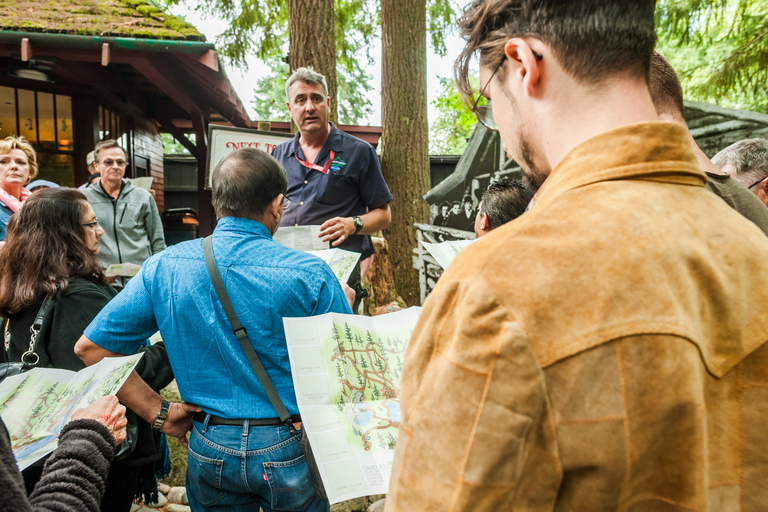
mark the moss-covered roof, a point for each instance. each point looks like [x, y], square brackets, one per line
[116, 18]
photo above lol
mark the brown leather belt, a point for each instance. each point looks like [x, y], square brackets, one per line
[263, 422]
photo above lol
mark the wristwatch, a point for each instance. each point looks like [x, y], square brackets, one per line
[358, 223]
[161, 416]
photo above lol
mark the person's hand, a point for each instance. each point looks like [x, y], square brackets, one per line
[109, 412]
[110, 279]
[179, 421]
[338, 229]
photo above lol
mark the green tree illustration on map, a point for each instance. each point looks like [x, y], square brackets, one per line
[334, 333]
[348, 331]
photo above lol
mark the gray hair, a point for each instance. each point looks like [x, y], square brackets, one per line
[245, 182]
[749, 158]
[308, 76]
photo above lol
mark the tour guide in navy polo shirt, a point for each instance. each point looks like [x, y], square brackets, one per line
[334, 179]
[235, 463]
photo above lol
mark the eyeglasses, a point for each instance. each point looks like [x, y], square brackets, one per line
[110, 163]
[758, 182]
[92, 224]
[286, 202]
[484, 113]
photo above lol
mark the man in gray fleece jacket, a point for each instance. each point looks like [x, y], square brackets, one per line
[128, 215]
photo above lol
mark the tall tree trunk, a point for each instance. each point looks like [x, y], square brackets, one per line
[311, 25]
[404, 155]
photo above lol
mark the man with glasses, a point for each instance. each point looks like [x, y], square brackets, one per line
[334, 179]
[747, 162]
[606, 350]
[241, 456]
[133, 230]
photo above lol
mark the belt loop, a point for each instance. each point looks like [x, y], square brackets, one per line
[205, 423]
[246, 426]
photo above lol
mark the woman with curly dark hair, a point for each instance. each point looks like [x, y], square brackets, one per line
[50, 251]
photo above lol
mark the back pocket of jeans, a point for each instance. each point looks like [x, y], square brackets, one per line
[290, 483]
[204, 475]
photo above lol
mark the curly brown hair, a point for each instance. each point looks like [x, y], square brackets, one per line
[44, 248]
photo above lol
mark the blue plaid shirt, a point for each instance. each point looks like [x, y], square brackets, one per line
[173, 293]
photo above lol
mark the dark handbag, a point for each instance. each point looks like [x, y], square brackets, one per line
[30, 358]
[258, 368]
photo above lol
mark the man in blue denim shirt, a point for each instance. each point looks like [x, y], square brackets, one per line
[235, 462]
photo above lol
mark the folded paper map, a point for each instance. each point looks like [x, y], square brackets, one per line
[302, 238]
[346, 371]
[122, 269]
[342, 262]
[444, 253]
[37, 404]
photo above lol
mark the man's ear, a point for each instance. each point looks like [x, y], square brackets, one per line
[525, 66]
[762, 190]
[274, 207]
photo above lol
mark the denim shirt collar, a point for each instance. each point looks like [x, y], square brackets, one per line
[242, 225]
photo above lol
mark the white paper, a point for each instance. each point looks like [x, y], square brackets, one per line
[445, 252]
[144, 182]
[347, 371]
[302, 238]
[36, 405]
[342, 262]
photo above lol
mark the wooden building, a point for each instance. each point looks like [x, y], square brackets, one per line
[74, 72]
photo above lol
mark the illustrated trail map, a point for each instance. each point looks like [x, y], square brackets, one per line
[444, 253]
[37, 404]
[341, 262]
[347, 370]
[302, 238]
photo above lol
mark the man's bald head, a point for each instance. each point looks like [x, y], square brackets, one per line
[246, 182]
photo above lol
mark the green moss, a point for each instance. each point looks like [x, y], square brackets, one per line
[126, 18]
[146, 10]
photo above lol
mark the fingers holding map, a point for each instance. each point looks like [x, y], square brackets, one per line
[347, 371]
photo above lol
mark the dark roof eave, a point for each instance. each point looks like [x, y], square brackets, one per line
[118, 43]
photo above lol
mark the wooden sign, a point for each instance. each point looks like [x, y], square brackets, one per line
[222, 140]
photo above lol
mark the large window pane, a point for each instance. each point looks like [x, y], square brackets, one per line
[7, 112]
[47, 120]
[64, 122]
[56, 168]
[27, 116]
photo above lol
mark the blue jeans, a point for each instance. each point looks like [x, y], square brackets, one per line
[240, 469]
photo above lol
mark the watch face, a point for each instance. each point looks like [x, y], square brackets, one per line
[358, 222]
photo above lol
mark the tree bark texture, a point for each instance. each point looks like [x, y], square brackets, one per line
[311, 25]
[405, 154]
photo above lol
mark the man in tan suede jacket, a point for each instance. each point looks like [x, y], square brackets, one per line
[605, 350]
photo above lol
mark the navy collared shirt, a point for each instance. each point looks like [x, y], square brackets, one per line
[173, 293]
[354, 184]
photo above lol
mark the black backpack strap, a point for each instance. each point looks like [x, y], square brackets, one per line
[242, 336]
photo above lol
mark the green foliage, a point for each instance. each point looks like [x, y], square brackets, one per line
[449, 133]
[353, 89]
[172, 147]
[719, 48]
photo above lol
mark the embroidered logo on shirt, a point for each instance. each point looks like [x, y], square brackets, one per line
[337, 164]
